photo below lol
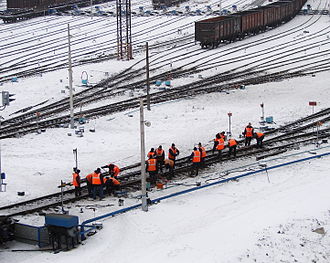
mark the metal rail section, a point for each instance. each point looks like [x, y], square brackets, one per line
[86, 224]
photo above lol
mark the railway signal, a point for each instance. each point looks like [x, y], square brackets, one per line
[262, 112]
[6, 98]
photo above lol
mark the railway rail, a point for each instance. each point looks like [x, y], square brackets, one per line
[287, 137]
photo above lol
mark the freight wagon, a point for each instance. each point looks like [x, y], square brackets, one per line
[213, 31]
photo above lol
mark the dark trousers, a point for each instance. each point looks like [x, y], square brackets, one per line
[202, 164]
[152, 177]
[195, 167]
[77, 191]
[170, 172]
[219, 156]
[98, 188]
[111, 187]
[259, 141]
[232, 150]
[160, 164]
[90, 189]
[248, 141]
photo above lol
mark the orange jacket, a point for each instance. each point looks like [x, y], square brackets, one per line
[96, 179]
[150, 154]
[89, 178]
[114, 180]
[202, 150]
[115, 171]
[221, 144]
[152, 165]
[175, 151]
[75, 179]
[196, 157]
[259, 134]
[232, 142]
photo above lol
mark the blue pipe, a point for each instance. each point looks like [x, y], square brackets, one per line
[82, 232]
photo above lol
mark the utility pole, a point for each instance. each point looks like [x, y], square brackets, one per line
[1, 182]
[91, 8]
[70, 81]
[148, 80]
[229, 123]
[143, 166]
[220, 6]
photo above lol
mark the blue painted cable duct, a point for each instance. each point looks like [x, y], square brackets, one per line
[82, 231]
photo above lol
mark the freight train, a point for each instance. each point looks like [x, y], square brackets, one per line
[213, 31]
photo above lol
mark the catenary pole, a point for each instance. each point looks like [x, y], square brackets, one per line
[148, 79]
[143, 167]
[70, 81]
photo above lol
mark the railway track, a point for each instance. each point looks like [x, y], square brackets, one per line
[285, 138]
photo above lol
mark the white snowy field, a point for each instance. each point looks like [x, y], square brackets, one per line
[249, 220]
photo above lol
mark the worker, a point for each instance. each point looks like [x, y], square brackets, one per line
[76, 182]
[259, 137]
[232, 144]
[151, 152]
[203, 154]
[248, 134]
[173, 152]
[195, 157]
[169, 165]
[223, 135]
[111, 184]
[219, 145]
[89, 184]
[160, 157]
[114, 170]
[151, 168]
[97, 182]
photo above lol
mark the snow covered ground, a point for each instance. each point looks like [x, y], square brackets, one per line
[250, 220]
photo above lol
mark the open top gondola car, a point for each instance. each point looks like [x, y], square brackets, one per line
[213, 31]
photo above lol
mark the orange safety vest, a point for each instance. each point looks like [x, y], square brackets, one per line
[259, 134]
[116, 171]
[170, 156]
[248, 132]
[159, 152]
[203, 151]
[74, 181]
[150, 154]
[89, 178]
[221, 144]
[105, 179]
[152, 165]
[96, 179]
[196, 157]
[232, 142]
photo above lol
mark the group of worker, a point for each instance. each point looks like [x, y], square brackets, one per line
[156, 162]
[198, 155]
[96, 181]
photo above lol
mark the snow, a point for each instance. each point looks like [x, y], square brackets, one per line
[240, 221]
